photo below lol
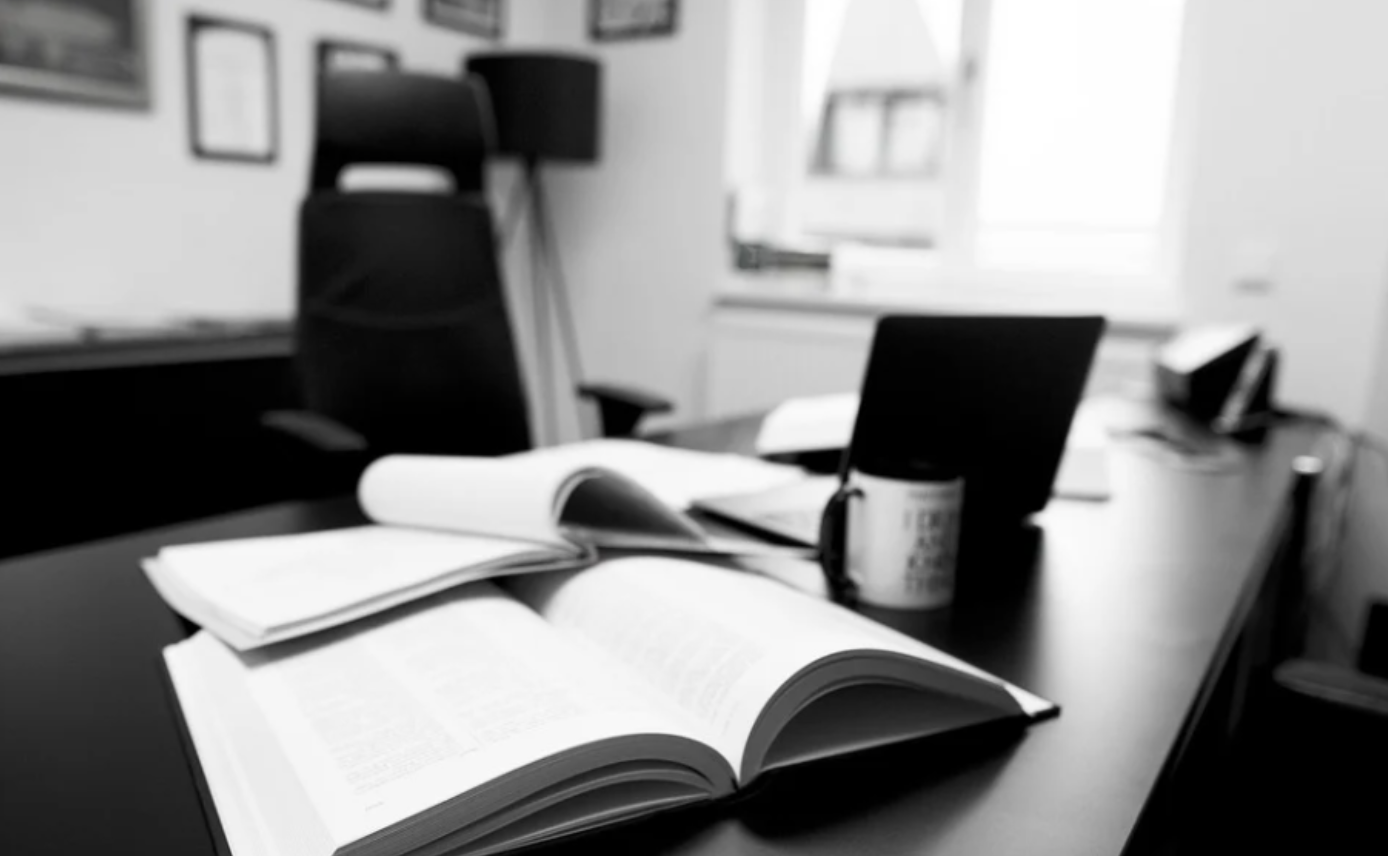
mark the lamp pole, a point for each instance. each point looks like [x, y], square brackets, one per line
[548, 294]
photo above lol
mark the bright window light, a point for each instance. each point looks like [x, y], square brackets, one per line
[1077, 121]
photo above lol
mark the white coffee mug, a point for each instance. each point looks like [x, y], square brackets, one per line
[902, 540]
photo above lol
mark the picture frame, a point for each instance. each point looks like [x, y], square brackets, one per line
[95, 51]
[233, 99]
[484, 18]
[378, 5]
[342, 55]
[620, 20]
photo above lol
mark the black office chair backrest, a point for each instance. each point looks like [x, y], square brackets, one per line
[403, 332]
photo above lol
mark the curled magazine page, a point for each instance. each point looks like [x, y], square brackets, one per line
[501, 497]
[677, 477]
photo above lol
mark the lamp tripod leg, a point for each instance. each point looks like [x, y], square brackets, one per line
[539, 302]
[568, 331]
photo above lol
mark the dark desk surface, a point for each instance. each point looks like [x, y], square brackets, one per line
[1120, 611]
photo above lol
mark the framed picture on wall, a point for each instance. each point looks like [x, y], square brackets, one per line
[370, 4]
[336, 55]
[89, 50]
[612, 20]
[232, 98]
[476, 17]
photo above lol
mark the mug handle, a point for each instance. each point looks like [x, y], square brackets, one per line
[833, 540]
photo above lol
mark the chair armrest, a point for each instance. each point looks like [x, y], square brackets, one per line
[620, 407]
[315, 431]
[1334, 685]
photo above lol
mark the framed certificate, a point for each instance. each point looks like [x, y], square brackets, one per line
[232, 99]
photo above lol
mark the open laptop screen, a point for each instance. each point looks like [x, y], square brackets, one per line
[991, 396]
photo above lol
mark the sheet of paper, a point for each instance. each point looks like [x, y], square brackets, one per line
[677, 477]
[809, 424]
[1083, 474]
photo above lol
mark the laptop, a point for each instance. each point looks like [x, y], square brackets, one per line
[994, 395]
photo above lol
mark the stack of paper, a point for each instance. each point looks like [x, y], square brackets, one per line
[813, 424]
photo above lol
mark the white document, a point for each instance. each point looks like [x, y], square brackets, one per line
[808, 424]
[234, 98]
[678, 477]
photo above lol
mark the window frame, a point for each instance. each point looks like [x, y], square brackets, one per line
[951, 276]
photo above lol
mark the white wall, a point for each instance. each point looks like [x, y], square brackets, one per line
[1377, 421]
[641, 232]
[107, 208]
[1291, 155]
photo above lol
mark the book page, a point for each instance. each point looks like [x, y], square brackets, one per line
[677, 477]
[502, 497]
[525, 496]
[263, 585]
[719, 643]
[545, 498]
[401, 713]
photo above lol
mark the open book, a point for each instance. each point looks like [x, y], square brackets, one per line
[442, 521]
[483, 719]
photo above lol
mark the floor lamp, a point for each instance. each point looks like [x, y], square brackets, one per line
[546, 108]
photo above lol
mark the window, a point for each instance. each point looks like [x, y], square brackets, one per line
[1076, 133]
[996, 137]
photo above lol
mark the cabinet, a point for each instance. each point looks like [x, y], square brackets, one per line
[105, 438]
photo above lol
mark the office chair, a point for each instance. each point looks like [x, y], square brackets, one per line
[403, 338]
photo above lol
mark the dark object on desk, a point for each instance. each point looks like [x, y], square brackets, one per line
[404, 342]
[991, 395]
[547, 108]
[833, 546]
[1220, 376]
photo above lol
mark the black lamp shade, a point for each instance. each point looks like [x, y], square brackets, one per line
[546, 105]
